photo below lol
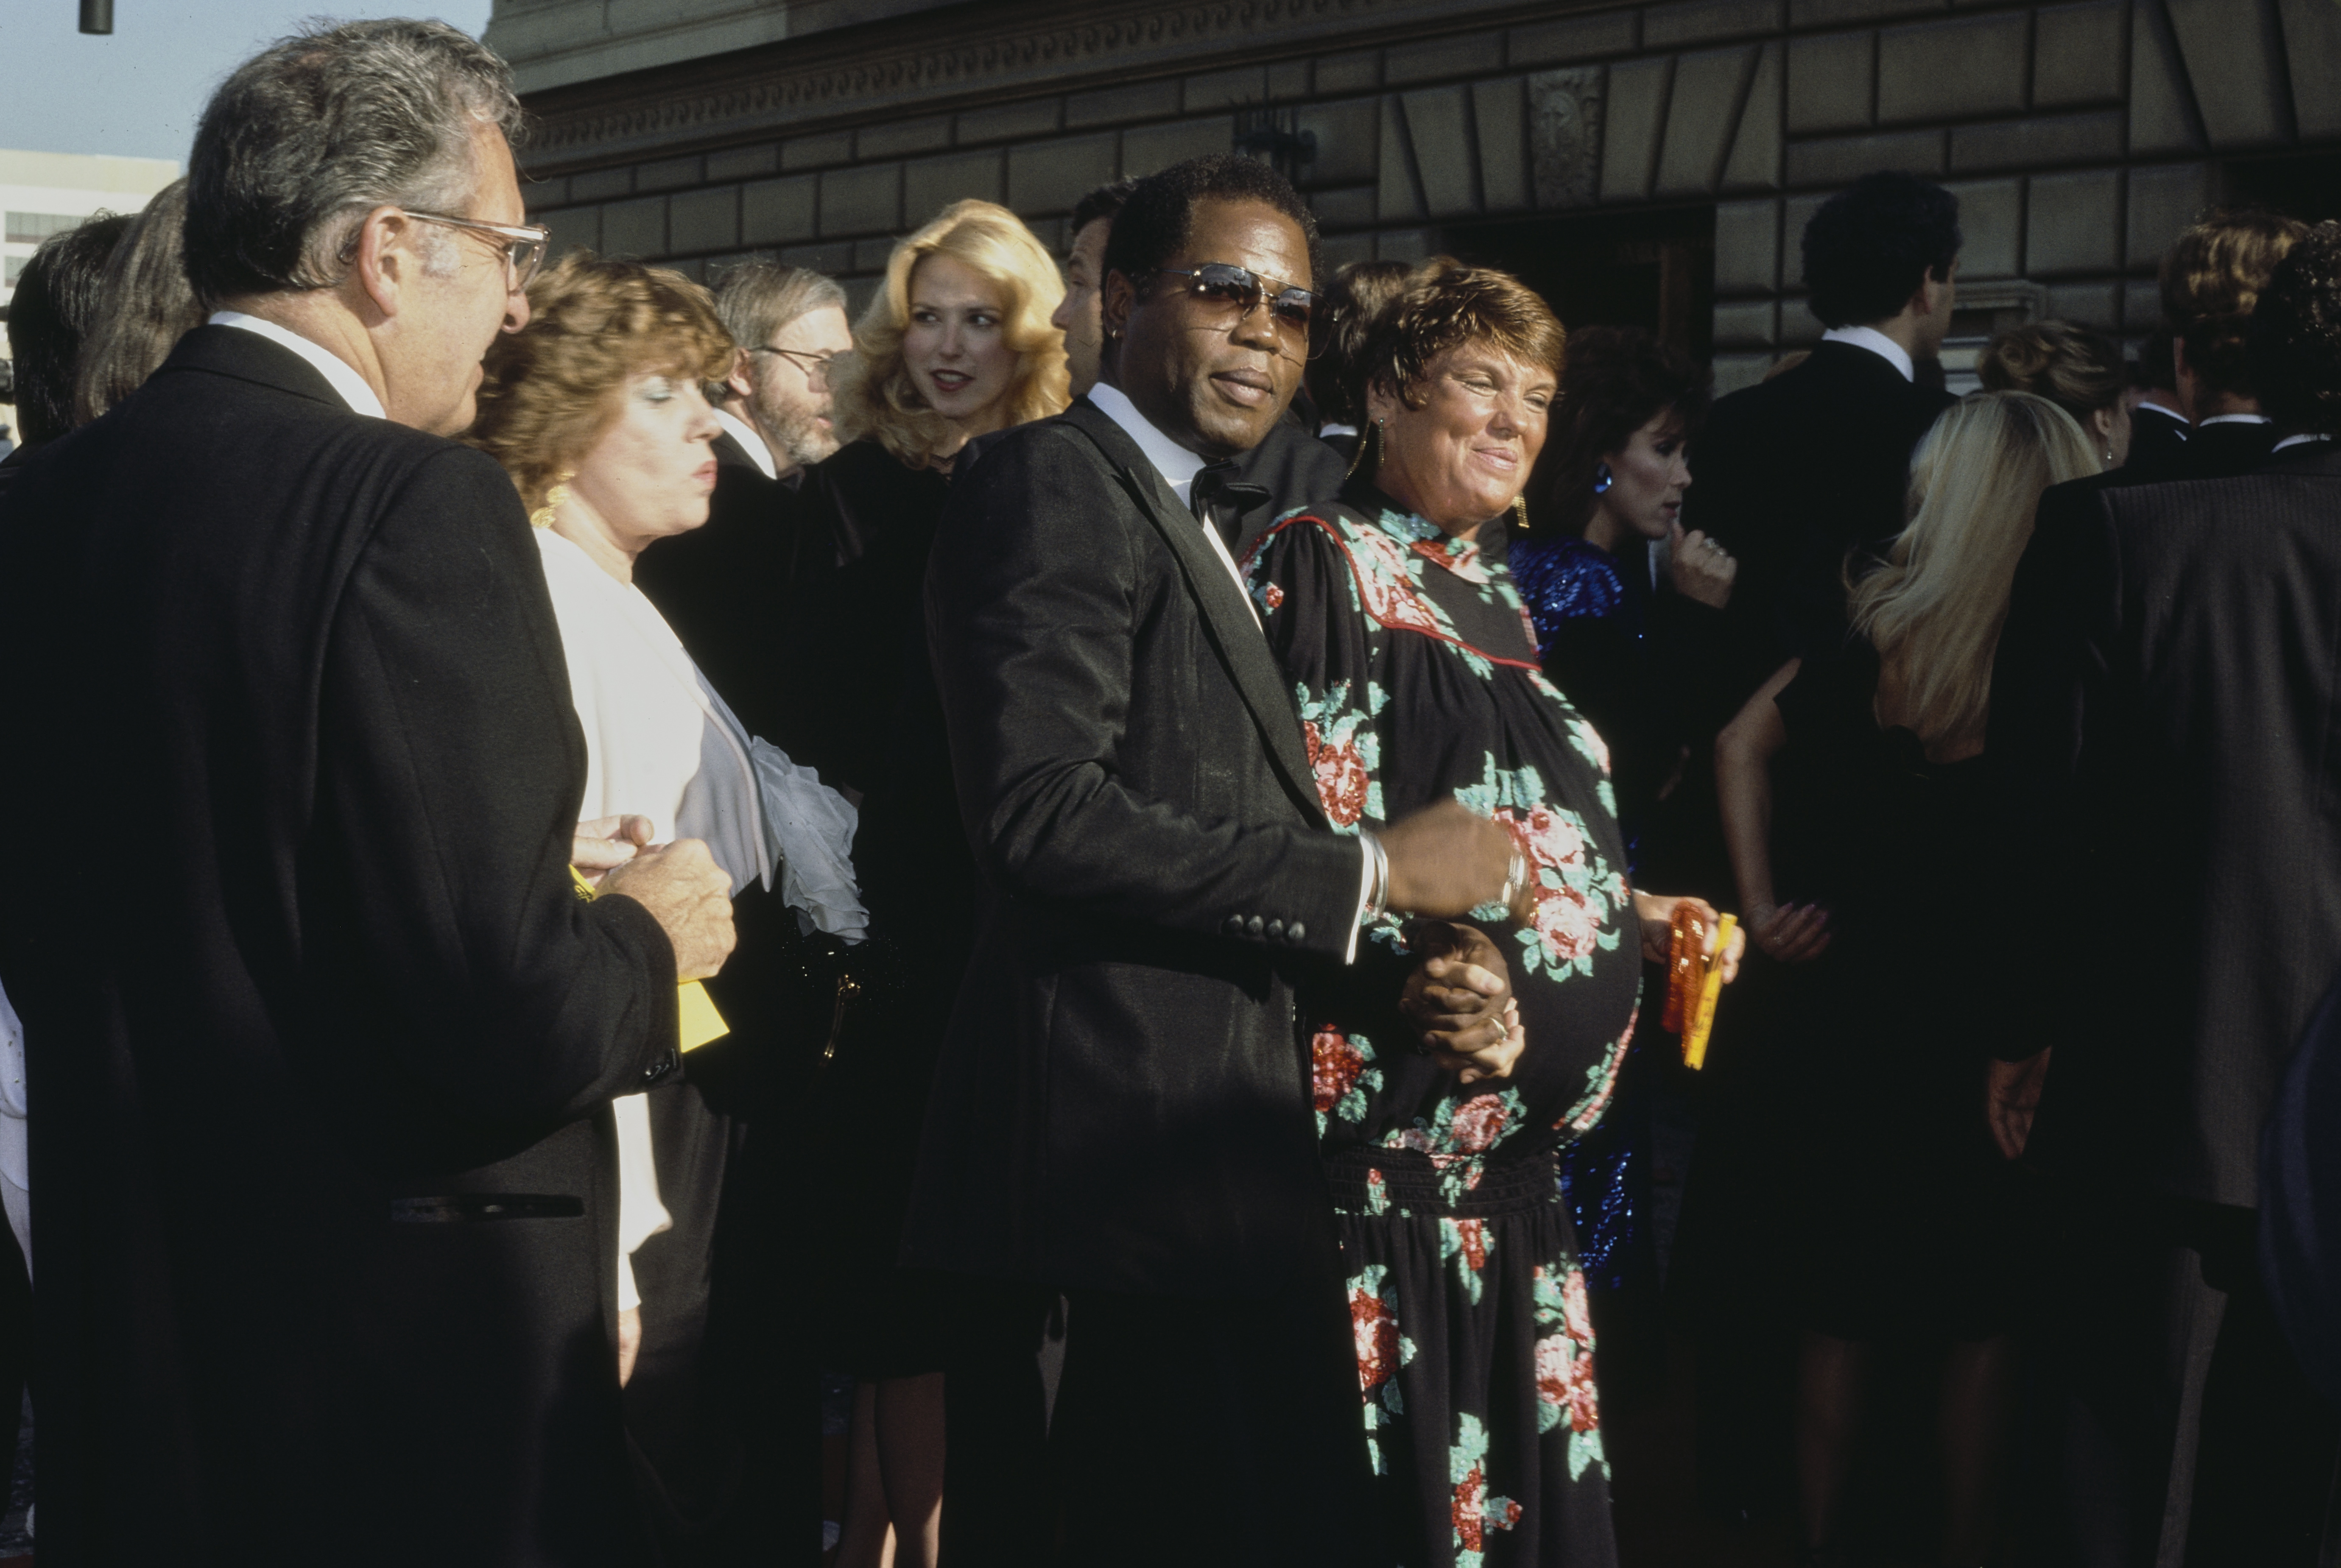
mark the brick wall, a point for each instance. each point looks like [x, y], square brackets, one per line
[2080, 137]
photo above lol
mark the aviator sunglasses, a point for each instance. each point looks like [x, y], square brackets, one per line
[1241, 290]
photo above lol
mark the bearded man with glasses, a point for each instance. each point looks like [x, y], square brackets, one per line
[1123, 1109]
[322, 1040]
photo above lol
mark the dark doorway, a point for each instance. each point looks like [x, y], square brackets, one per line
[1653, 270]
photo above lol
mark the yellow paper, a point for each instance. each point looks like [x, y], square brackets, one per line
[695, 1017]
[1695, 1037]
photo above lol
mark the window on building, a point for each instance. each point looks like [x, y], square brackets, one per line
[32, 228]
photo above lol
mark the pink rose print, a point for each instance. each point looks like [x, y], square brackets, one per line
[1340, 776]
[1565, 920]
[1477, 1123]
[1335, 1064]
[1387, 588]
[1474, 1233]
[1374, 1329]
[1469, 1515]
[1273, 595]
[1576, 1313]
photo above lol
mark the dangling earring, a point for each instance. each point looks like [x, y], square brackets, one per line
[1373, 438]
[1602, 479]
[1521, 512]
[555, 499]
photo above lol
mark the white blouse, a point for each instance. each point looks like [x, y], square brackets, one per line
[659, 743]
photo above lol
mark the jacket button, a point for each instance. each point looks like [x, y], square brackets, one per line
[1296, 932]
[1255, 925]
[1232, 926]
[1276, 930]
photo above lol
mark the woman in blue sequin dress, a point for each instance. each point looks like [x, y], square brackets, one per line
[1631, 643]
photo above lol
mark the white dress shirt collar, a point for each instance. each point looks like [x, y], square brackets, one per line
[2296, 440]
[344, 381]
[750, 442]
[1877, 343]
[2232, 419]
[2163, 408]
[1175, 464]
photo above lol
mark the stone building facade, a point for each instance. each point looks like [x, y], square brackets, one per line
[1651, 162]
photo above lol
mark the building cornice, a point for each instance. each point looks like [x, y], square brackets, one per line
[964, 54]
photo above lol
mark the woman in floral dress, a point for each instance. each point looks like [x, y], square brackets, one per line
[1415, 672]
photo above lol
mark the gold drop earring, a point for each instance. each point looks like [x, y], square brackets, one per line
[554, 498]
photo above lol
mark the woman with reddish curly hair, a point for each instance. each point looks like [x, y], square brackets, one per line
[596, 410]
[1415, 666]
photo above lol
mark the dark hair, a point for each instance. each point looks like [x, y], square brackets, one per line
[1617, 380]
[146, 306]
[2079, 371]
[305, 137]
[56, 303]
[2211, 279]
[1105, 201]
[1872, 244]
[1446, 303]
[1347, 310]
[1154, 221]
[2293, 350]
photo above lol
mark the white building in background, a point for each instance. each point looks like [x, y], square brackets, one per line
[43, 194]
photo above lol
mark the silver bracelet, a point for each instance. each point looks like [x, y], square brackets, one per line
[1377, 881]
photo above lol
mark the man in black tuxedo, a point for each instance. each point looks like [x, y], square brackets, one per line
[2211, 277]
[2163, 728]
[1796, 472]
[2158, 429]
[724, 587]
[1122, 1110]
[319, 1032]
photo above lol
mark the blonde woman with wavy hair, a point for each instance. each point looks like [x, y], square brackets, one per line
[957, 343]
[1868, 893]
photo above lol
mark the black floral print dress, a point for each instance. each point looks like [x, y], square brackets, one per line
[1415, 669]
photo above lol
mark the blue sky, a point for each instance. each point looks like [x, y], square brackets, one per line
[138, 92]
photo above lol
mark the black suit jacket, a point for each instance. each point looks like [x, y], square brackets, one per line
[2228, 449]
[1792, 474]
[2157, 445]
[724, 586]
[2165, 705]
[316, 1024]
[1123, 1100]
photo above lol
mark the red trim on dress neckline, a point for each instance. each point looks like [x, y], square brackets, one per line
[1365, 599]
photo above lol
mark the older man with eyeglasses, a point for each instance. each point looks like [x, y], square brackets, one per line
[321, 1037]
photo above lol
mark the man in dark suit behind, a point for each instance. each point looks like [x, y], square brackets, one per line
[1795, 472]
[724, 587]
[2162, 744]
[316, 1024]
[1123, 1109]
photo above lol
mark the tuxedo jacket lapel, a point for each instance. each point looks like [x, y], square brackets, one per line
[1227, 616]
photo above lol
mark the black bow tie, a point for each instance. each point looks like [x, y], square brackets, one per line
[1218, 498]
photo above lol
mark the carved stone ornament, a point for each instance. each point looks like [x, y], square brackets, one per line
[1565, 135]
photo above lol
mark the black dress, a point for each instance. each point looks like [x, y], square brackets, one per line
[1414, 665]
[1906, 1215]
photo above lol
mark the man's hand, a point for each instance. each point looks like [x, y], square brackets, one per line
[688, 894]
[1447, 860]
[1459, 998]
[1791, 933]
[2011, 1096]
[606, 843]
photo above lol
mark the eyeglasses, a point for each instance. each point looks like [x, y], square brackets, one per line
[1241, 290]
[805, 359]
[523, 248]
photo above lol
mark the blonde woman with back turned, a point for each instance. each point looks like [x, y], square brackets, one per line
[1864, 891]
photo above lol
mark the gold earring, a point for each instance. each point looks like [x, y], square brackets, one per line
[555, 498]
[1372, 437]
[1521, 511]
